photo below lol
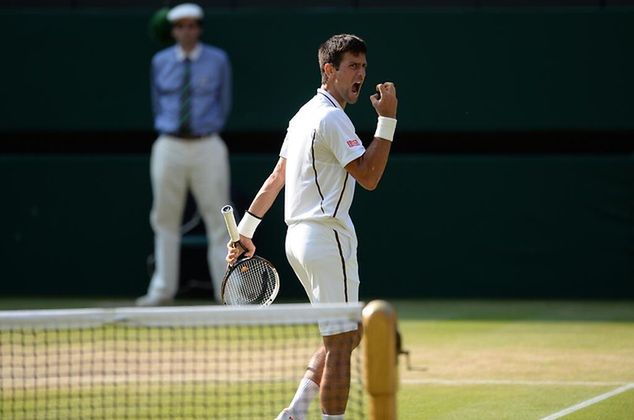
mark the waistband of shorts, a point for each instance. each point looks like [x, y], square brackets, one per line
[328, 224]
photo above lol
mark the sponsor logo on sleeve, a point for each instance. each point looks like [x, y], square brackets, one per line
[353, 143]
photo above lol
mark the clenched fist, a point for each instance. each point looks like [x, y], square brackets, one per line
[384, 101]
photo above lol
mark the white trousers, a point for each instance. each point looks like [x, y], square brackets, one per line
[325, 261]
[177, 166]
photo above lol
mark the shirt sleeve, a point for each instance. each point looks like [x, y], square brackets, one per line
[338, 133]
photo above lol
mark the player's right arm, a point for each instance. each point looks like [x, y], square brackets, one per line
[369, 167]
[262, 202]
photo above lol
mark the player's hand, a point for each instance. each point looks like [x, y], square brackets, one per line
[384, 101]
[244, 248]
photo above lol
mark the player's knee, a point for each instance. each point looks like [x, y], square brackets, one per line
[344, 342]
[356, 339]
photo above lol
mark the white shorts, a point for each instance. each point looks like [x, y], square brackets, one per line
[325, 261]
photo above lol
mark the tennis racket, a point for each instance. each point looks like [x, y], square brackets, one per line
[250, 280]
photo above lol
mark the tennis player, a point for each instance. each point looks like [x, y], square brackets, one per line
[321, 160]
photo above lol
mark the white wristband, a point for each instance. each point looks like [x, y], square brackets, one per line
[248, 224]
[385, 128]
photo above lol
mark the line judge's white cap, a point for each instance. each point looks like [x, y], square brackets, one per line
[185, 10]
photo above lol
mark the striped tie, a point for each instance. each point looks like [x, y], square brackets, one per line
[186, 98]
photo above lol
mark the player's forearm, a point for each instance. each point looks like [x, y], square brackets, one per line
[265, 198]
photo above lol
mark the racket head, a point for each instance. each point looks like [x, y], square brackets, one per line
[250, 281]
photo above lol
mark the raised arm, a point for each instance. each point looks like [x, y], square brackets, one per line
[262, 202]
[368, 168]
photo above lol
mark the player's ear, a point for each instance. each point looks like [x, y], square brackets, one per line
[329, 70]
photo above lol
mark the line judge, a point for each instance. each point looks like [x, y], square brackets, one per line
[191, 98]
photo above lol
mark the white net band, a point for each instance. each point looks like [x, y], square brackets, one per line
[287, 314]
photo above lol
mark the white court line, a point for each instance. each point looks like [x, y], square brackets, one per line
[589, 402]
[506, 382]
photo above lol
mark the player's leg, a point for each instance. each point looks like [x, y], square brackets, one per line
[325, 261]
[210, 187]
[168, 173]
[308, 387]
[336, 278]
[315, 368]
[335, 382]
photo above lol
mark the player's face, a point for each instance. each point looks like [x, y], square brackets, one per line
[348, 79]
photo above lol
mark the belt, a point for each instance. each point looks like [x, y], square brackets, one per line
[183, 136]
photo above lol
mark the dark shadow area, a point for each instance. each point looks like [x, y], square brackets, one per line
[498, 142]
[352, 4]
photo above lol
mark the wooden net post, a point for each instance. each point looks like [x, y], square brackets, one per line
[381, 376]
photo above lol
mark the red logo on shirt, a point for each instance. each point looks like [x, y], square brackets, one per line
[353, 143]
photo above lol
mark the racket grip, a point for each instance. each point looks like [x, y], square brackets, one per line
[230, 221]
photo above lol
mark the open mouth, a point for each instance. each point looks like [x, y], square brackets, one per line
[356, 87]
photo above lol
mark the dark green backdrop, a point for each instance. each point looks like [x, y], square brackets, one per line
[542, 226]
[455, 70]
[548, 226]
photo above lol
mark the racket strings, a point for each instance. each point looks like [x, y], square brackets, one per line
[251, 281]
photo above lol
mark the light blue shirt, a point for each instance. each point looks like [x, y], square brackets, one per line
[210, 88]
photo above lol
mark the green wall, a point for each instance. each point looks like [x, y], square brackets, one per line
[539, 226]
[548, 226]
[455, 70]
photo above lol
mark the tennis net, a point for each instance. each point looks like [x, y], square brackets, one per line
[164, 363]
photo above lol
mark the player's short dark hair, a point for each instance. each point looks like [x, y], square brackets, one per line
[333, 50]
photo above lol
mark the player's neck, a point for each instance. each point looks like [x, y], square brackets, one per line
[334, 94]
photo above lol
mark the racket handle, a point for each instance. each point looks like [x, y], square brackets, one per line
[230, 221]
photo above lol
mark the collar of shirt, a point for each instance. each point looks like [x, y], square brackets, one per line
[329, 96]
[193, 55]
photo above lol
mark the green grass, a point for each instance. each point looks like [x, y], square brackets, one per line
[495, 359]
[182, 401]
[515, 359]
[502, 402]
[618, 407]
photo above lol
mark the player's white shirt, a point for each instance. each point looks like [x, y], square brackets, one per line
[320, 142]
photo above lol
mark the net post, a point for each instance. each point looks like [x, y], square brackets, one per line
[379, 324]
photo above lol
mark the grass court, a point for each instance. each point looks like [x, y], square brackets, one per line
[492, 359]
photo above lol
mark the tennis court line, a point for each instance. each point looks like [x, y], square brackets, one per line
[589, 402]
[459, 382]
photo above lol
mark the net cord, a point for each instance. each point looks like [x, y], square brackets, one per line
[278, 314]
